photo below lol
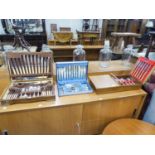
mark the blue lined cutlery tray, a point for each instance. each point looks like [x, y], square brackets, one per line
[72, 78]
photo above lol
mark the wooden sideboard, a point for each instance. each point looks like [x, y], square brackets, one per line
[65, 52]
[77, 114]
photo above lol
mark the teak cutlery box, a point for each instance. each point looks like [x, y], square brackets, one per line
[138, 76]
[72, 78]
[31, 75]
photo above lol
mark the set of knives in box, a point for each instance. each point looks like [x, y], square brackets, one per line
[112, 83]
[72, 78]
[31, 74]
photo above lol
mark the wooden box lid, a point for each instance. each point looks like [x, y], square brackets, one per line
[103, 81]
[142, 69]
[23, 65]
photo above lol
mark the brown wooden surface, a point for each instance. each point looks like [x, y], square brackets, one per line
[58, 120]
[115, 67]
[72, 47]
[129, 127]
[103, 81]
[97, 115]
[119, 37]
[125, 34]
[77, 114]
[4, 79]
[65, 29]
[80, 114]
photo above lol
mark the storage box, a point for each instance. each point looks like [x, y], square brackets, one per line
[31, 77]
[72, 78]
[138, 76]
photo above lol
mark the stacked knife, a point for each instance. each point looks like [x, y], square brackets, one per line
[30, 64]
[71, 72]
[141, 70]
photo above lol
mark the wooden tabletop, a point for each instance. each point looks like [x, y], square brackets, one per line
[115, 66]
[70, 100]
[125, 34]
[63, 32]
[129, 127]
[88, 32]
[72, 47]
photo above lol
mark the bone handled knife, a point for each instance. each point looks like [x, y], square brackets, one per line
[15, 66]
[22, 65]
[12, 68]
[31, 64]
[26, 64]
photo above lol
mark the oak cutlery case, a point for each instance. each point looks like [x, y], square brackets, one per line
[31, 75]
[72, 78]
[138, 76]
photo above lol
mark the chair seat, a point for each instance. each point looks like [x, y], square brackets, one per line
[129, 127]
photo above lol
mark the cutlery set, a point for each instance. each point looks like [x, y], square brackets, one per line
[29, 90]
[71, 72]
[72, 78]
[31, 76]
[128, 81]
[143, 69]
[30, 64]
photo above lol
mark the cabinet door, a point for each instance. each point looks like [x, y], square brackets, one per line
[97, 115]
[59, 120]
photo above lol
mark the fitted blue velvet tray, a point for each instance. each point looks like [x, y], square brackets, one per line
[72, 78]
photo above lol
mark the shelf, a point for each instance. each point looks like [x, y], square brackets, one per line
[64, 56]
